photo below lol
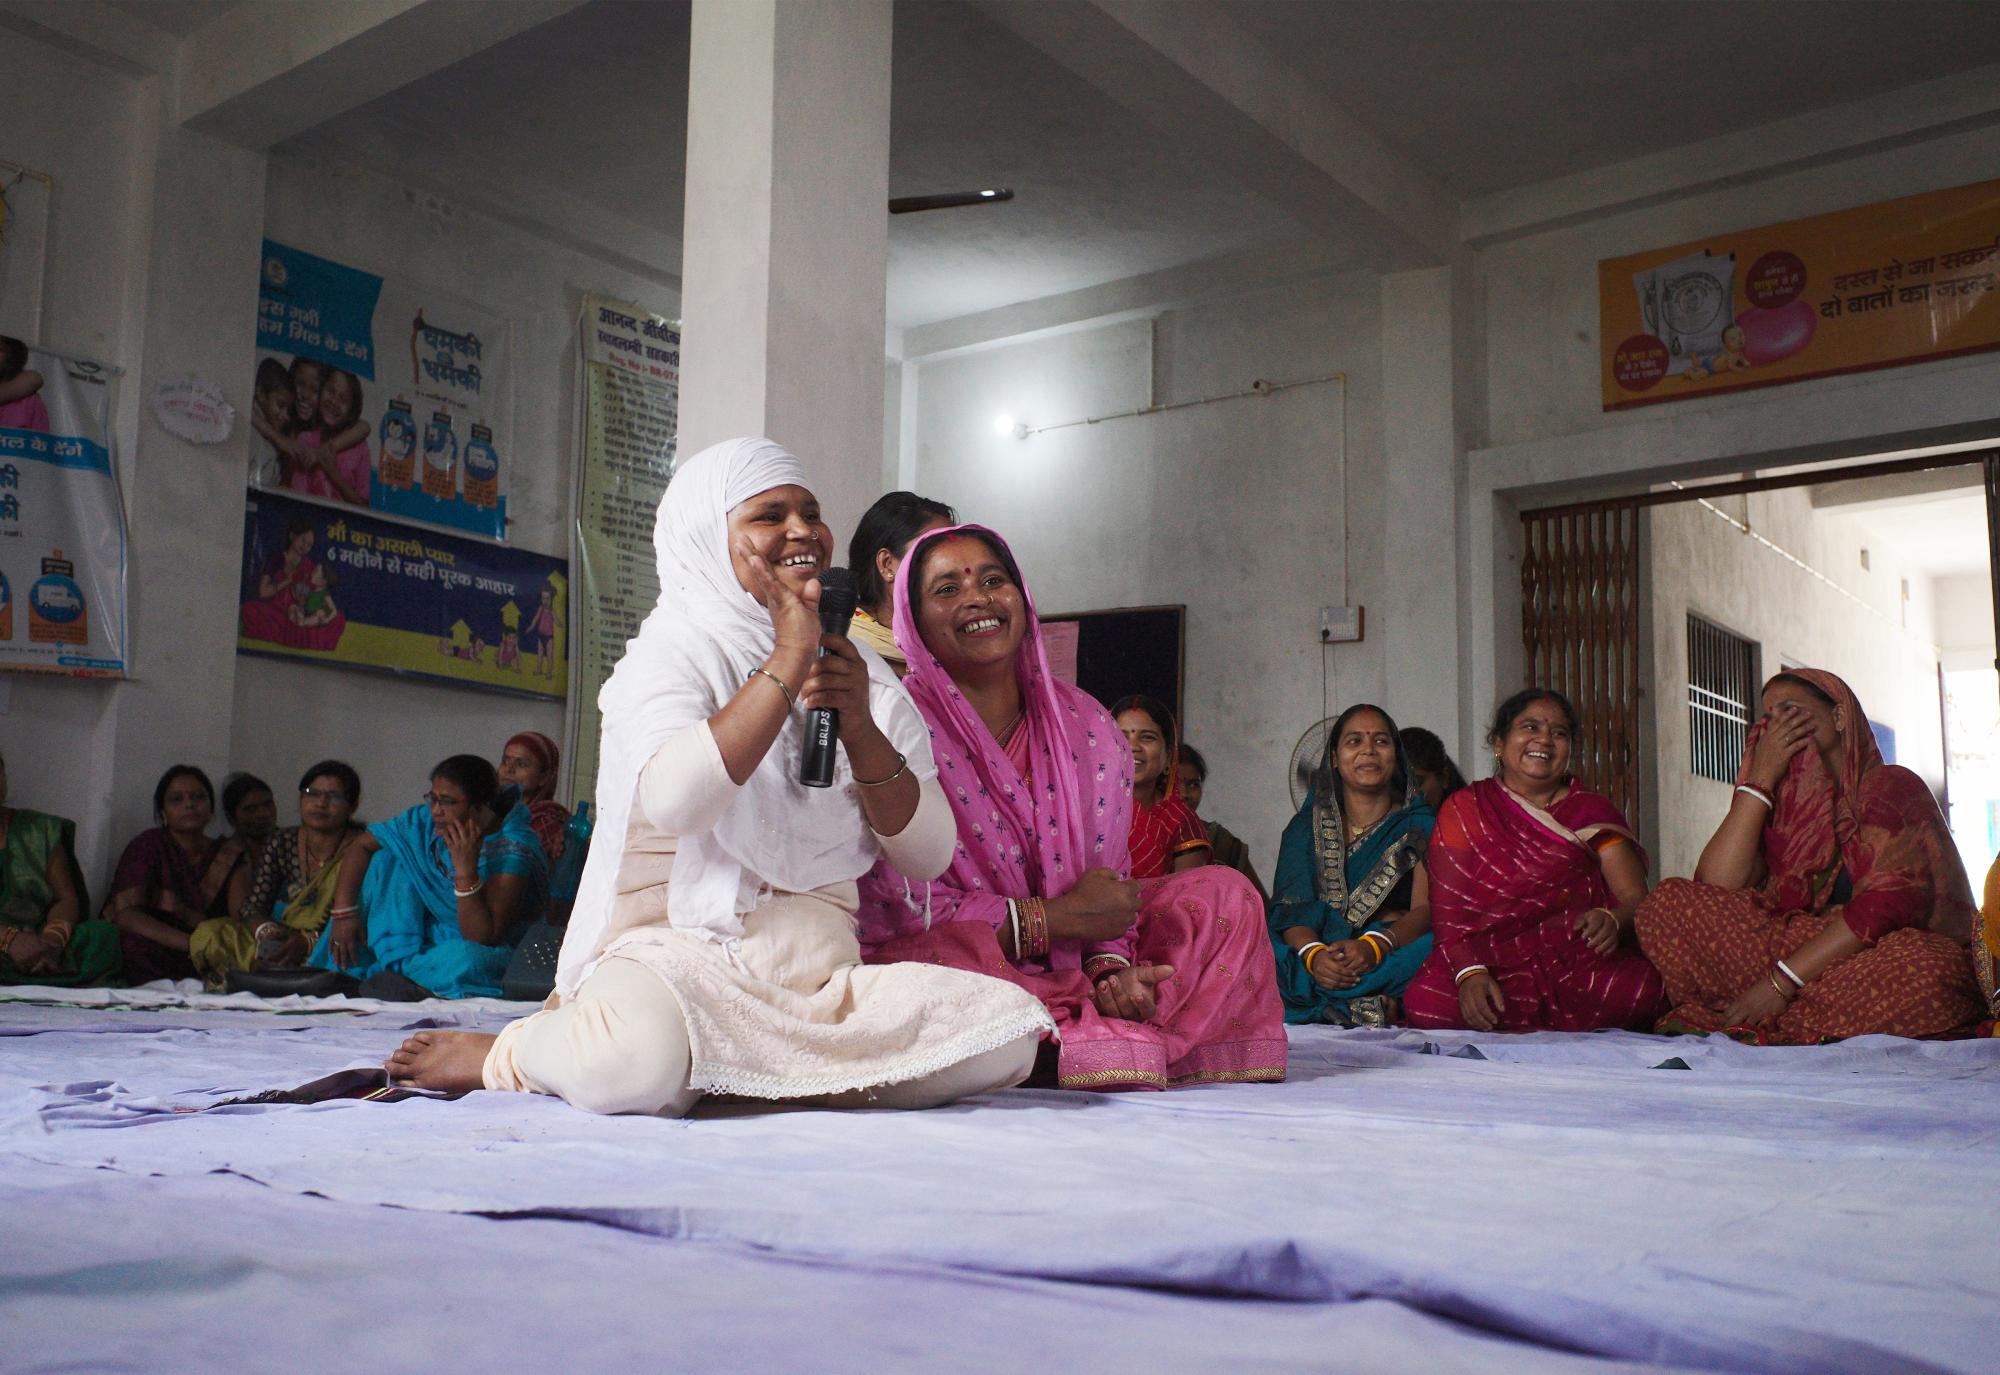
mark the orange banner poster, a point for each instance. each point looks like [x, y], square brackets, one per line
[1903, 281]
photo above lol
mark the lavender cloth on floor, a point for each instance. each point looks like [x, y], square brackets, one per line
[1761, 1210]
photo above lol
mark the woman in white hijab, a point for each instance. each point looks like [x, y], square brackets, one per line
[712, 945]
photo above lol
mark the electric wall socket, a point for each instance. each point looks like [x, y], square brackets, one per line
[1341, 624]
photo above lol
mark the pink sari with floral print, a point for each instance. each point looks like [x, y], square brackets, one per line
[1033, 817]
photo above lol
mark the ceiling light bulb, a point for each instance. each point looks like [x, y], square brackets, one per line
[1003, 424]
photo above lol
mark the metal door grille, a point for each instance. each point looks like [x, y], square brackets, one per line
[1722, 688]
[1580, 627]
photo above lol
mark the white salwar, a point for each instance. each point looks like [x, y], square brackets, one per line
[736, 902]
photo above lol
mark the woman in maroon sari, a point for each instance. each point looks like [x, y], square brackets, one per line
[531, 762]
[170, 879]
[1152, 985]
[1534, 879]
[1830, 902]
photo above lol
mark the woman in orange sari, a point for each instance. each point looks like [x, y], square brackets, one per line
[1830, 902]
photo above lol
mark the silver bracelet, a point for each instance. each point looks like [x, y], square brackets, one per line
[1759, 794]
[473, 891]
[1789, 973]
[1014, 925]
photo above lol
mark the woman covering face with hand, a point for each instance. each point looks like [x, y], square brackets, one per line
[712, 948]
[1831, 901]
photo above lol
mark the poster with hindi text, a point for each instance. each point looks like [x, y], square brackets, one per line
[326, 585]
[1878, 286]
[631, 397]
[379, 393]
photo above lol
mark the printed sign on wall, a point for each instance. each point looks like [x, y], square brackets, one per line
[378, 393]
[346, 588]
[1899, 282]
[631, 397]
[62, 525]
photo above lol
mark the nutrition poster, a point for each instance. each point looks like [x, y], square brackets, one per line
[378, 393]
[346, 588]
[631, 395]
[62, 525]
[1901, 281]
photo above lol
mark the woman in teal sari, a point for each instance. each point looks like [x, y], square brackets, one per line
[441, 893]
[1350, 916]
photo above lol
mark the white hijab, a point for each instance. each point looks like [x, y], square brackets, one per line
[692, 654]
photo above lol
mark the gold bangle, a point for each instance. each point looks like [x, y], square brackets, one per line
[790, 701]
[902, 767]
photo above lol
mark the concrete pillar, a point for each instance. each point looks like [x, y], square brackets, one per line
[202, 209]
[786, 236]
[1422, 398]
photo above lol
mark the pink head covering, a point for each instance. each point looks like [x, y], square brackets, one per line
[1016, 838]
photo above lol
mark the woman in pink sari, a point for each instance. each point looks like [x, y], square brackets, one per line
[1534, 880]
[1152, 984]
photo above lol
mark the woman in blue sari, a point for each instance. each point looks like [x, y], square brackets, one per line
[1350, 916]
[441, 893]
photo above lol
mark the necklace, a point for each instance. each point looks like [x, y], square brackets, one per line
[1006, 732]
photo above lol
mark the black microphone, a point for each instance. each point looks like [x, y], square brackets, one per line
[836, 610]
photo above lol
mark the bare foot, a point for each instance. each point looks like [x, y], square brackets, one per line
[447, 1061]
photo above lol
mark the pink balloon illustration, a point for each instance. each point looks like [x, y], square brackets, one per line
[1779, 332]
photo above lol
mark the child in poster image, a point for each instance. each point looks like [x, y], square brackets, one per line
[317, 608]
[21, 405]
[313, 457]
[543, 627]
[271, 418]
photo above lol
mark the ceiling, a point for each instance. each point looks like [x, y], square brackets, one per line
[1481, 95]
[177, 17]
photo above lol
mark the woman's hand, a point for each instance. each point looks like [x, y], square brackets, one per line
[462, 839]
[794, 615]
[35, 953]
[1481, 1002]
[1099, 908]
[1600, 929]
[1757, 1005]
[1128, 994]
[1341, 964]
[839, 682]
[1786, 733]
[346, 936]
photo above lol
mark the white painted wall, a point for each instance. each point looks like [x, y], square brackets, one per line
[1232, 509]
[1884, 649]
[1963, 607]
[289, 714]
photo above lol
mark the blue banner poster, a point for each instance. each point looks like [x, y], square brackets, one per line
[62, 524]
[345, 588]
[378, 393]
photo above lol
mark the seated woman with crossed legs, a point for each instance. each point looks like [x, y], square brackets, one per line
[1534, 879]
[712, 946]
[1831, 901]
[1153, 984]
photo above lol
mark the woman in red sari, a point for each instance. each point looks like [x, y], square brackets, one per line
[1534, 879]
[1166, 834]
[1830, 902]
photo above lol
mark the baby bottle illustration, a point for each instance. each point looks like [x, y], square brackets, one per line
[56, 611]
[440, 457]
[482, 468]
[398, 463]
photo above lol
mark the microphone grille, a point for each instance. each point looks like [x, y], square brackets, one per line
[836, 592]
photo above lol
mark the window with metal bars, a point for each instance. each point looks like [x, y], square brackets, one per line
[1722, 697]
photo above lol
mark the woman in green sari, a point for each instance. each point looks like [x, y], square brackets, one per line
[42, 940]
[1350, 917]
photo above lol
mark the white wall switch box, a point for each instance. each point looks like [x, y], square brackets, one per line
[1340, 624]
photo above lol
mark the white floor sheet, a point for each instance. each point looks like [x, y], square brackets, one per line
[1432, 1201]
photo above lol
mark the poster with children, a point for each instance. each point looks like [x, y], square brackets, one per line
[62, 524]
[346, 588]
[378, 393]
